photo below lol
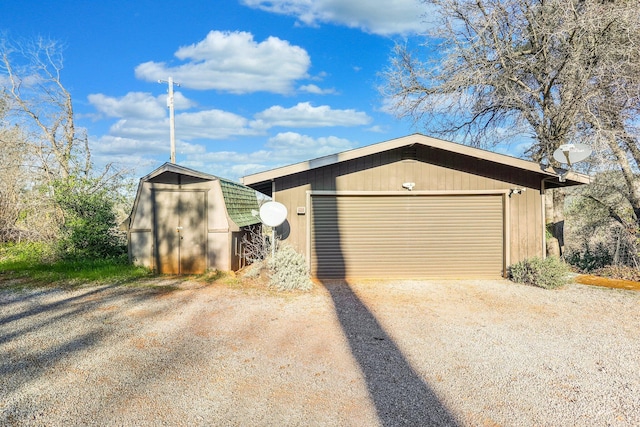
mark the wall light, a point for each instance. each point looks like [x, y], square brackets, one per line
[409, 185]
[516, 191]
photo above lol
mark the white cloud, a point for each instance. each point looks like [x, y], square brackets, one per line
[377, 129]
[384, 17]
[316, 90]
[133, 104]
[234, 62]
[116, 145]
[282, 149]
[291, 146]
[137, 105]
[306, 115]
[208, 124]
[140, 129]
[138, 155]
[213, 124]
[142, 117]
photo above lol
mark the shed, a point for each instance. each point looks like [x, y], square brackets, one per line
[413, 207]
[185, 222]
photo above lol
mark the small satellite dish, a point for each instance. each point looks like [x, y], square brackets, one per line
[572, 153]
[273, 214]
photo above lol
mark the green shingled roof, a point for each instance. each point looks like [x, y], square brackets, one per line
[240, 201]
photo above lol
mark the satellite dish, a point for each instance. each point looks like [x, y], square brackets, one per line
[572, 153]
[273, 214]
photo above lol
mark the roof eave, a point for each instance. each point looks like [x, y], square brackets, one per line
[270, 175]
[172, 167]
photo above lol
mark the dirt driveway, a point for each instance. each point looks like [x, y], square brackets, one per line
[389, 353]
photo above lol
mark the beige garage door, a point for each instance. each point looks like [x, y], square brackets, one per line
[407, 236]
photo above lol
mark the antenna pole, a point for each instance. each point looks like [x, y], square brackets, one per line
[172, 119]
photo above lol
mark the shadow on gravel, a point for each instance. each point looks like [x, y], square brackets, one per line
[21, 363]
[41, 308]
[400, 396]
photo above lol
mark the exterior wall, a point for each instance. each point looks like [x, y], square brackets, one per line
[431, 170]
[141, 229]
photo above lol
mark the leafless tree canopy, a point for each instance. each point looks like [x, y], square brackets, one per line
[42, 106]
[556, 71]
[41, 143]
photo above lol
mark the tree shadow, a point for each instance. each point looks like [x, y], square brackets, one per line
[34, 315]
[398, 392]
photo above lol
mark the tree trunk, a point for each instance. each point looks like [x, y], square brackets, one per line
[554, 221]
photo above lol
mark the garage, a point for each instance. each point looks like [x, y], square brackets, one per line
[407, 236]
[413, 207]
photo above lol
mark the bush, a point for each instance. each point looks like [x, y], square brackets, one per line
[288, 270]
[90, 228]
[26, 253]
[548, 273]
[590, 260]
[254, 270]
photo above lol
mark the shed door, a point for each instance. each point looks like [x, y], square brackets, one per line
[180, 232]
[407, 236]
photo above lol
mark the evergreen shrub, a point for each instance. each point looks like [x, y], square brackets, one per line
[288, 270]
[590, 260]
[548, 273]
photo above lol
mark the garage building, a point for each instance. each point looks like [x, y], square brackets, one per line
[412, 207]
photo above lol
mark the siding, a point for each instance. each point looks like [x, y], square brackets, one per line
[431, 170]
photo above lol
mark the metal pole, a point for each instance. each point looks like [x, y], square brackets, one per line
[172, 121]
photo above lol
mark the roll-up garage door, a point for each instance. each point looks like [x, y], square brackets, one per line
[407, 236]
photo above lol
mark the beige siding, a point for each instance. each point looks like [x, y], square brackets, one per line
[219, 251]
[204, 206]
[407, 236]
[386, 172]
[216, 212]
[141, 248]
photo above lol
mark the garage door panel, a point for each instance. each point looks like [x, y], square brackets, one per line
[407, 236]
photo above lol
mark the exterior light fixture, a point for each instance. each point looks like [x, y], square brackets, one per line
[409, 185]
[513, 191]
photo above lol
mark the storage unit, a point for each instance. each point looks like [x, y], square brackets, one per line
[186, 222]
[412, 207]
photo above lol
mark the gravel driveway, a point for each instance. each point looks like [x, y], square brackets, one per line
[372, 353]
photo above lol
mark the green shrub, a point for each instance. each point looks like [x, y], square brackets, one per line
[590, 260]
[548, 273]
[90, 229]
[26, 253]
[288, 270]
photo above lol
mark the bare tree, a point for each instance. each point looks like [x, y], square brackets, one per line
[46, 157]
[42, 106]
[553, 71]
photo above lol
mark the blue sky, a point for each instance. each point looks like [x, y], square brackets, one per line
[262, 83]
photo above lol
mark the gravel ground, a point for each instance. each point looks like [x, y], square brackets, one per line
[472, 353]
